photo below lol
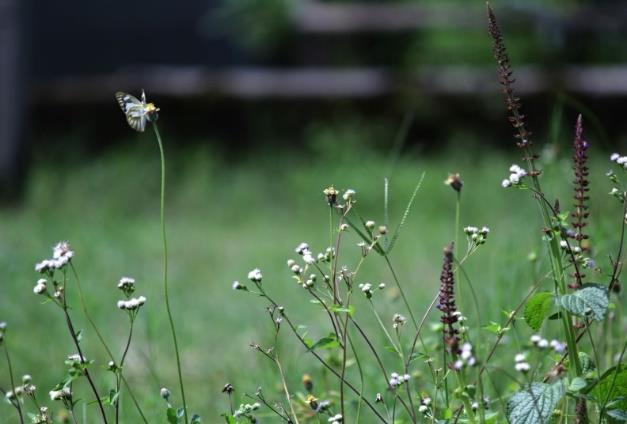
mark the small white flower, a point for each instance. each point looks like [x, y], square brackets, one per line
[164, 393]
[423, 408]
[62, 249]
[459, 364]
[308, 258]
[76, 358]
[506, 183]
[543, 343]
[535, 339]
[614, 157]
[44, 266]
[348, 194]
[64, 393]
[621, 160]
[558, 346]
[296, 269]
[238, 286]
[40, 287]
[522, 367]
[370, 225]
[255, 275]
[343, 227]
[302, 248]
[381, 286]
[126, 283]
[520, 357]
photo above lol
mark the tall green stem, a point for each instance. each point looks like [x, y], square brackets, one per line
[165, 271]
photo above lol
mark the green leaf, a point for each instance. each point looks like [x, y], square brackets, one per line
[172, 417]
[534, 404]
[537, 309]
[340, 309]
[617, 414]
[612, 385]
[328, 342]
[577, 384]
[397, 232]
[230, 419]
[590, 300]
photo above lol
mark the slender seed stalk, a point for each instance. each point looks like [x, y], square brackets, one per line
[18, 407]
[165, 272]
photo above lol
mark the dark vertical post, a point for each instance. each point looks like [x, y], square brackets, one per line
[11, 97]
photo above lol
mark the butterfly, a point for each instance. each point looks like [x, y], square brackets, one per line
[137, 112]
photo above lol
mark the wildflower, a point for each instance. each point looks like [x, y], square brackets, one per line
[477, 236]
[255, 275]
[131, 304]
[336, 419]
[76, 357]
[370, 225]
[521, 363]
[381, 286]
[45, 266]
[378, 398]
[614, 157]
[228, 388]
[365, 248]
[396, 379]
[543, 343]
[165, 393]
[331, 195]
[26, 379]
[127, 285]
[366, 288]
[40, 287]
[447, 303]
[62, 249]
[454, 181]
[515, 178]
[348, 195]
[238, 286]
[558, 346]
[302, 248]
[534, 339]
[343, 227]
[383, 229]
[398, 320]
[312, 401]
[62, 394]
[423, 409]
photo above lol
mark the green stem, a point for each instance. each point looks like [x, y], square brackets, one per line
[17, 405]
[165, 272]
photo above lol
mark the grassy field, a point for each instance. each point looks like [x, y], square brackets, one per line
[228, 216]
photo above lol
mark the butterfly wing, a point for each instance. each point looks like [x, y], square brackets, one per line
[133, 109]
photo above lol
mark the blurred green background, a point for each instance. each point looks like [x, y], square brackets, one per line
[250, 153]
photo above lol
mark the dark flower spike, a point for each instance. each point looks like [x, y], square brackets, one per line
[581, 186]
[447, 303]
[516, 118]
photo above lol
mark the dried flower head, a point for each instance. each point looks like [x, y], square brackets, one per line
[455, 182]
[447, 303]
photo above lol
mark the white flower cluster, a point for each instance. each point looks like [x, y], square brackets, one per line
[348, 195]
[255, 275]
[368, 290]
[62, 254]
[396, 379]
[303, 250]
[477, 235]
[132, 304]
[25, 389]
[62, 394]
[76, 357]
[127, 284]
[621, 160]
[398, 320]
[465, 357]
[542, 343]
[515, 177]
[336, 419]
[569, 247]
[245, 409]
[424, 404]
[521, 363]
[40, 287]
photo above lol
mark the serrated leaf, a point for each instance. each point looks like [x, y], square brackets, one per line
[612, 385]
[591, 300]
[534, 404]
[537, 309]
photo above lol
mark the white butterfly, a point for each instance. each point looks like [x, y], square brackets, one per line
[137, 112]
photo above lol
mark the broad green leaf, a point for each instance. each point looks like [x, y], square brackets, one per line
[172, 417]
[591, 300]
[534, 404]
[577, 384]
[328, 342]
[612, 385]
[537, 309]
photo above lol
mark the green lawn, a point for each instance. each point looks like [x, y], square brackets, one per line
[227, 216]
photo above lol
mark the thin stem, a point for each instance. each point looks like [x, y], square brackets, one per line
[400, 289]
[102, 340]
[165, 272]
[361, 377]
[82, 357]
[128, 345]
[17, 405]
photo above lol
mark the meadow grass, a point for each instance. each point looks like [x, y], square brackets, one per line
[226, 217]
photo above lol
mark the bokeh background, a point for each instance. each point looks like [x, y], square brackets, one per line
[263, 104]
